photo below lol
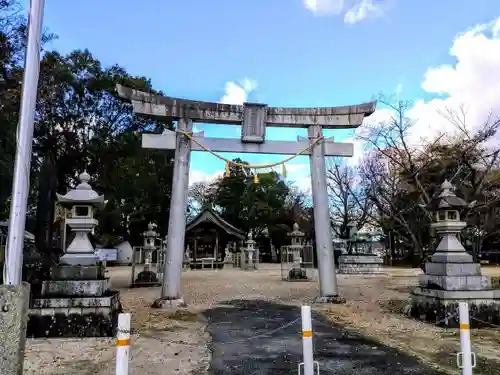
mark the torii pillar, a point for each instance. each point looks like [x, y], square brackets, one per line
[253, 119]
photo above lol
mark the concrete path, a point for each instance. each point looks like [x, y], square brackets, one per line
[240, 345]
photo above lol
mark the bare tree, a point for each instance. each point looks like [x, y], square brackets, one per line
[348, 199]
[200, 197]
[393, 208]
[402, 177]
[391, 141]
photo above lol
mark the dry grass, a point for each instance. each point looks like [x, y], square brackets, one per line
[178, 341]
[375, 307]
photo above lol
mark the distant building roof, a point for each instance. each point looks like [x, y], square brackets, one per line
[208, 215]
[4, 226]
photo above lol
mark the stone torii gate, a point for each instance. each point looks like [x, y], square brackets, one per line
[253, 119]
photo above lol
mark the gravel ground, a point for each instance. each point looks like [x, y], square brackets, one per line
[177, 342]
[192, 342]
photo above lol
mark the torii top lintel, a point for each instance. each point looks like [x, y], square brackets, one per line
[346, 117]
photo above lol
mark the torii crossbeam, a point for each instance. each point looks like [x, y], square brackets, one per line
[253, 119]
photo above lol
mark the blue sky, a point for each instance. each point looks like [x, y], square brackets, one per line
[296, 53]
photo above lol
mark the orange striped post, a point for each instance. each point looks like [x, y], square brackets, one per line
[122, 344]
[465, 358]
[307, 343]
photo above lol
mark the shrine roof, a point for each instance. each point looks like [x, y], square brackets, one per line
[210, 216]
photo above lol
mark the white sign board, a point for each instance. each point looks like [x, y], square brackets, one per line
[107, 254]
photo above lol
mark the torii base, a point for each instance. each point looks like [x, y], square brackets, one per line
[330, 299]
[169, 303]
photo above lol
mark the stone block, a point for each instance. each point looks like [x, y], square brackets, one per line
[74, 317]
[454, 282]
[441, 306]
[483, 297]
[453, 269]
[73, 288]
[79, 259]
[362, 259]
[443, 257]
[14, 303]
[360, 264]
[51, 305]
[78, 272]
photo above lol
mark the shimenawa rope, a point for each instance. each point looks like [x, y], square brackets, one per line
[251, 166]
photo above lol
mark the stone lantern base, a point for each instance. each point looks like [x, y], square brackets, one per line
[146, 278]
[76, 302]
[366, 264]
[450, 278]
[440, 307]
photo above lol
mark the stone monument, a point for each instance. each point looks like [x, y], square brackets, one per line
[356, 261]
[297, 263]
[228, 255]
[187, 257]
[248, 254]
[451, 275]
[76, 301]
[148, 277]
[296, 245]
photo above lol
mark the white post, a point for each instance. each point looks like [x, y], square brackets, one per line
[21, 182]
[307, 344]
[122, 344]
[466, 355]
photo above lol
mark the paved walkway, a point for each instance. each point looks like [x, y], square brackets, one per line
[240, 345]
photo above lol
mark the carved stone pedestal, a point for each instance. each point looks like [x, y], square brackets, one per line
[369, 264]
[76, 303]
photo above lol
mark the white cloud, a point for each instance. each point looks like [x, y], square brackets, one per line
[472, 83]
[361, 11]
[324, 7]
[237, 92]
[357, 10]
[381, 115]
[200, 176]
[300, 175]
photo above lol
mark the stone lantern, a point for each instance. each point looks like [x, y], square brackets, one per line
[149, 245]
[249, 251]
[352, 229]
[356, 262]
[297, 243]
[77, 294]
[148, 276]
[451, 274]
[81, 202]
[447, 209]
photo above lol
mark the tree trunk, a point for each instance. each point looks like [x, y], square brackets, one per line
[45, 205]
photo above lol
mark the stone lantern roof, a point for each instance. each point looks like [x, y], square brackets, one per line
[82, 194]
[151, 231]
[296, 232]
[447, 199]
